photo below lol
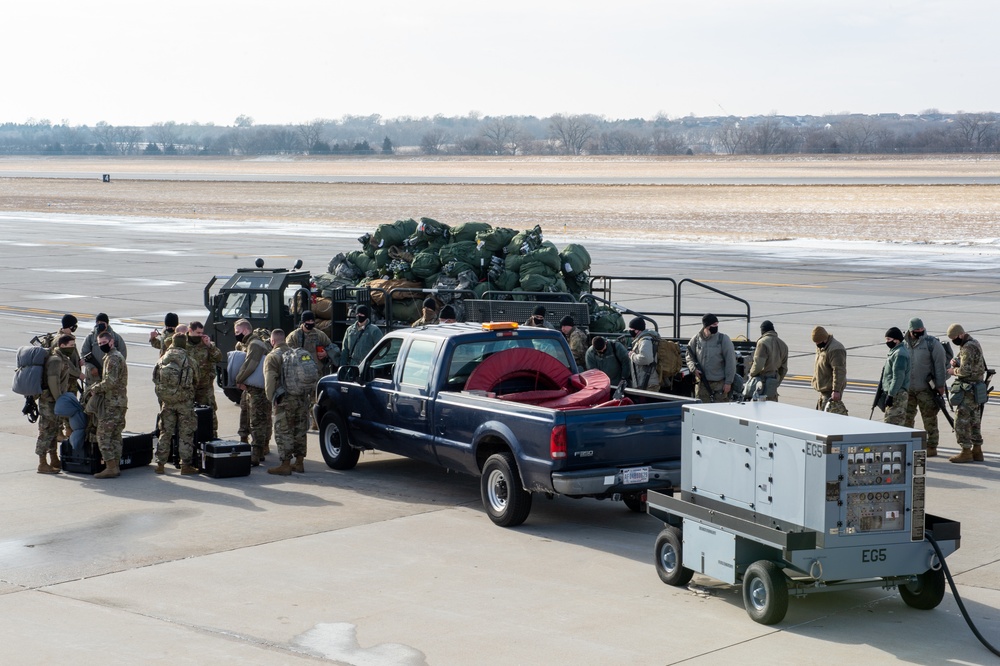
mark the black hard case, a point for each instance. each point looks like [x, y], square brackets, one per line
[137, 451]
[222, 459]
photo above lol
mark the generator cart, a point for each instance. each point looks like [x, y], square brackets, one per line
[790, 501]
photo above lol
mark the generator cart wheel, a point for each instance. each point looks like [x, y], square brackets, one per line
[669, 557]
[334, 443]
[765, 592]
[506, 502]
[926, 592]
[634, 502]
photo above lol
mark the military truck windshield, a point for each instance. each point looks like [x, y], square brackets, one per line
[468, 356]
[251, 305]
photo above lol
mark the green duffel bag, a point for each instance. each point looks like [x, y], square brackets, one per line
[547, 254]
[513, 262]
[606, 320]
[425, 265]
[525, 241]
[481, 289]
[393, 234]
[468, 231]
[574, 259]
[408, 310]
[453, 268]
[428, 229]
[529, 268]
[458, 251]
[382, 258]
[363, 262]
[537, 282]
[505, 280]
[496, 239]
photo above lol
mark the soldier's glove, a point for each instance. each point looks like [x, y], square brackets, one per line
[30, 409]
[888, 401]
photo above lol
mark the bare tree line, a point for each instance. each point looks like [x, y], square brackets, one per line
[560, 134]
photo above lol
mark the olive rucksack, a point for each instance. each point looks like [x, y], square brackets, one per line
[299, 373]
[668, 359]
[173, 378]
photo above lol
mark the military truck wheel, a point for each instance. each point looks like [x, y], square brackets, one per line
[926, 592]
[506, 502]
[765, 592]
[634, 502]
[335, 445]
[233, 394]
[669, 553]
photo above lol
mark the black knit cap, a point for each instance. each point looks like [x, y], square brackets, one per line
[638, 323]
[894, 333]
[766, 326]
[708, 320]
[539, 311]
[170, 320]
[567, 321]
[102, 317]
[69, 321]
[447, 312]
[307, 315]
[430, 304]
[363, 310]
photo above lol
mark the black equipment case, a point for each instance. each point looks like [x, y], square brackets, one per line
[222, 459]
[137, 451]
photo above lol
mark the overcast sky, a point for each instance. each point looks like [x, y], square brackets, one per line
[138, 62]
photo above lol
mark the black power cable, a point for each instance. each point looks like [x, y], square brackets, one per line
[958, 599]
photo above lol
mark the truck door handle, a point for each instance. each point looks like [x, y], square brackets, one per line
[634, 419]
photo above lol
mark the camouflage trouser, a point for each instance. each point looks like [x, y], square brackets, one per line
[291, 422]
[896, 414]
[205, 395]
[109, 432]
[834, 406]
[928, 414]
[712, 391]
[176, 417]
[244, 431]
[968, 431]
[49, 427]
[259, 410]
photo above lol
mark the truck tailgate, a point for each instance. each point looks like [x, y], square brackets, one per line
[623, 436]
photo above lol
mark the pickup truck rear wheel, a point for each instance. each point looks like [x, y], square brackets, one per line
[634, 502]
[506, 502]
[669, 558]
[335, 445]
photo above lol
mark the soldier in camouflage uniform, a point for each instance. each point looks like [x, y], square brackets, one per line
[60, 374]
[830, 372]
[429, 314]
[576, 338]
[170, 321]
[51, 340]
[91, 351]
[112, 390]
[291, 412]
[968, 368]
[309, 338]
[927, 378]
[896, 377]
[205, 355]
[770, 360]
[177, 409]
[258, 406]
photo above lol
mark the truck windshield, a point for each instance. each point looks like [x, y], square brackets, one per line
[469, 355]
[248, 304]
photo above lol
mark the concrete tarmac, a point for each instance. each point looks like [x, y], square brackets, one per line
[395, 561]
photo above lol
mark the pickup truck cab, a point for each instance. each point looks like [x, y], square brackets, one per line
[409, 397]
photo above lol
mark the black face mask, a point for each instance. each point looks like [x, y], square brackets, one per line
[194, 339]
[310, 325]
[891, 344]
[917, 334]
[168, 331]
[538, 320]
[106, 348]
[362, 319]
[712, 330]
[240, 337]
[633, 332]
[72, 329]
[101, 327]
[820, 345]
[959, 341]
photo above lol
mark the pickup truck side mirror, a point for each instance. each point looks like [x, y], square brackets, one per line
[348, 373]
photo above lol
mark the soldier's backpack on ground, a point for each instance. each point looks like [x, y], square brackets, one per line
[30, 371]
[173, 377]
[668, 359]
[299, 373]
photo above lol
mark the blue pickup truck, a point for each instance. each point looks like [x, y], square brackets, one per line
[410, 396]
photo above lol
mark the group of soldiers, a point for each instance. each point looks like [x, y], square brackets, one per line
[913, 379]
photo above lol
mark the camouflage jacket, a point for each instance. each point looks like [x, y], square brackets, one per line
[309, 340]
[204, 358]
[114, 382]
[971, 364]
[59, 375]
[577, 340]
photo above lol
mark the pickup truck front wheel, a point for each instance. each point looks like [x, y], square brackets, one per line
[333, 442]
[506, 502]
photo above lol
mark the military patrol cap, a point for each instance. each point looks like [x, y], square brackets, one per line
[819, 334]
[638, 323]
[170, 320]
[894, 333]
[708, 320]
[567, 321]
[539, 311]
[955, 330]
[916, 324]
[766, 326]
[307, 315]
[69, 321]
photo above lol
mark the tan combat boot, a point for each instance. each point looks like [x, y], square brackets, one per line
[977, 453]
[299, 465]
[284, 469]
[932, 452]
[111, 470]
[964, 457]
[44, 467]
[160, 469]
[187, 469]
[54, 460]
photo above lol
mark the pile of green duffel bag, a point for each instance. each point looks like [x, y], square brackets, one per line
[519, 265]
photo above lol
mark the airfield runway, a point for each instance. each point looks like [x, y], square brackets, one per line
[395, 562]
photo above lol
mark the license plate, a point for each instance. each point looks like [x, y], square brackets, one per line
[635, 475]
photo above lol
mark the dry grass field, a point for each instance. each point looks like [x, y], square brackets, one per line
[895, 212]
